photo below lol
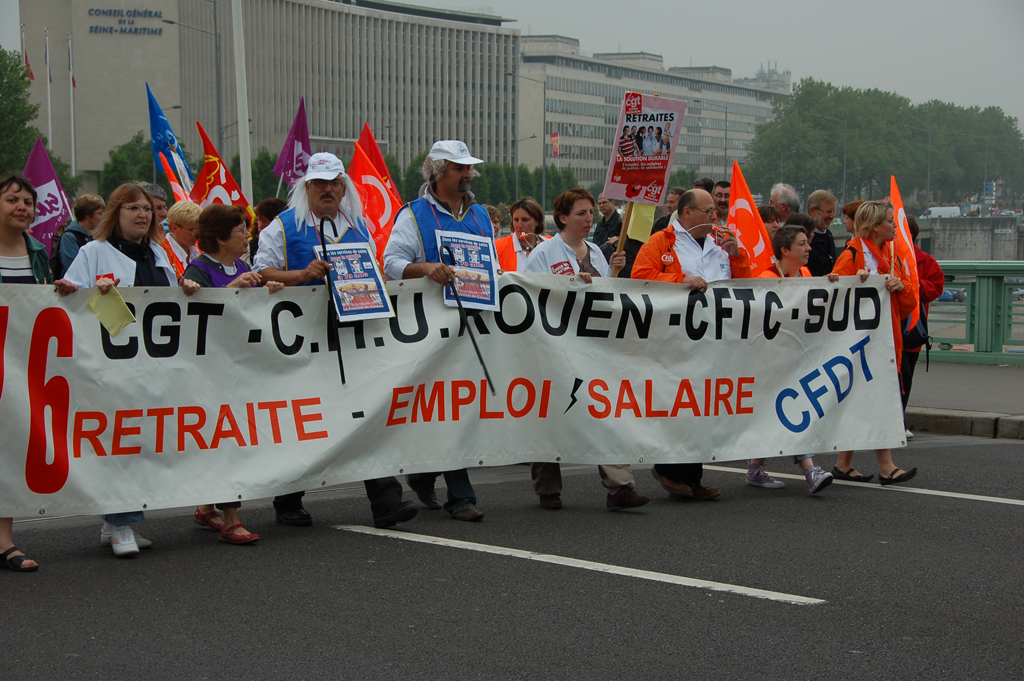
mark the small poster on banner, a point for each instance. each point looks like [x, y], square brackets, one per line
[356, 282]
[474, 268]
[645, 145]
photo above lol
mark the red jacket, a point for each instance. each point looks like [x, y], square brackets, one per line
[930, 281]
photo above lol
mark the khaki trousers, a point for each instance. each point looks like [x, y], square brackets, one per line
[547, 477]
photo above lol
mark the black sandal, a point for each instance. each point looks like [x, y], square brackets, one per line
[893, 478]
[840, 475]
[14, 562]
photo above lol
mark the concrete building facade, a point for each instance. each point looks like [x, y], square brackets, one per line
[414, 73]
[584, 95]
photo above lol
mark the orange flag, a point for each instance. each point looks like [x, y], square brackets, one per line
[379, 205]
[179, 193]
[746, 223]
[905, 255]
[369, 145]
[214, 183]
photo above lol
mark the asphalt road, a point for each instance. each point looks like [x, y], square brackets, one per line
[916, 586]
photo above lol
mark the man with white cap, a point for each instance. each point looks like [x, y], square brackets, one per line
[446, 205]
[286, 255]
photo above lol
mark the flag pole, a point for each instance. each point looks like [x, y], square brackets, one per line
[278, 192]
[71, 91]
[332, 314]
[49, 109]
[622, 234]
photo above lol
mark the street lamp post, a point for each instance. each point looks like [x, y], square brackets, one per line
[516, 150]
[984, 183]
[845, 131]
[928, 189]
[725, 143]
[216, 48]
[543, 140]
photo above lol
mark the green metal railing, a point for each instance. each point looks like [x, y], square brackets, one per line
[984, 321]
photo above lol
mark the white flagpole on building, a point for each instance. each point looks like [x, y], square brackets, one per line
[242, 99]
[71, 90]
[49, 109]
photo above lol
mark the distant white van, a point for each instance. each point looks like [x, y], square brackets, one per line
[943, 212]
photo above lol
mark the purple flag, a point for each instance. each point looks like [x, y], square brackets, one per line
[291, 164]
[52, 207]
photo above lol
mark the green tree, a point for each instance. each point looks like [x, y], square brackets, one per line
[132, 162]
[264, 181]
[682, 177]
[395, 171]
[412, 179]
[17, 135]
[884, 135]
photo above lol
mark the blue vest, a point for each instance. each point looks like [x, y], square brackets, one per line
[475, 221]
[299, 241]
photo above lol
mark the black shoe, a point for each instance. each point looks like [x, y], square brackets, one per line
[849, 475]
[399, 512]
[300, 517]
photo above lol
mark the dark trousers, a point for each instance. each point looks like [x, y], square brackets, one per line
[688, 474]
[461, 494]
[382, 493]
[909, 361]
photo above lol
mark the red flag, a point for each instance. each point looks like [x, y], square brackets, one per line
[24, 53]
[379, 205]
[905, 262]
[368, 143]
[215, 183]
[746, 222]
[179, 193]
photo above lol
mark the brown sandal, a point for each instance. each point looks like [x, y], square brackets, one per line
[206, 520]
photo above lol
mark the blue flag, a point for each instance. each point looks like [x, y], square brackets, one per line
[164, 140]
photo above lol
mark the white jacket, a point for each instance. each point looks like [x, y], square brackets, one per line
[554, 256]
[98, 258]
[711, 262]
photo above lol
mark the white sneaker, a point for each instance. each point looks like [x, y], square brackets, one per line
[910, 436]
[122, 540]
[108, 530]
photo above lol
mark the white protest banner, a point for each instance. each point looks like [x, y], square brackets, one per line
[641, 161]
[233, 394]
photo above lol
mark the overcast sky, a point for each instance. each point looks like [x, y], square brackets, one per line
[967, 53]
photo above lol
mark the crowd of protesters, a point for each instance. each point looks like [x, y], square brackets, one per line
[132, 239]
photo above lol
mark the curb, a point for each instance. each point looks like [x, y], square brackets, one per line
[961, 422]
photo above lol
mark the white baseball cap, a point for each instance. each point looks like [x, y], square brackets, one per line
[454, 151]
[323, 166]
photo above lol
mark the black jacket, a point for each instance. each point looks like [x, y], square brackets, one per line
[606, 229]
[823, 253]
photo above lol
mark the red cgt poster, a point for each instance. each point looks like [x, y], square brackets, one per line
[646, 144]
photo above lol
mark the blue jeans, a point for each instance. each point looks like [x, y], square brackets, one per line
[460, 490]
[124, 518]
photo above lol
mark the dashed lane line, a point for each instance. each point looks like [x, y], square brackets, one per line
[584, 565]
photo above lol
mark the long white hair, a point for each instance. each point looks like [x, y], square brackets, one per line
[351, 205]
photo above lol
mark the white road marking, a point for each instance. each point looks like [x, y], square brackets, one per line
[584, 565]
[893, 488]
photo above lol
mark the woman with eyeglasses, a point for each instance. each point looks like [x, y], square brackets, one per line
[869, 253]
[221, 233]
[527, 230]
[125, 251]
